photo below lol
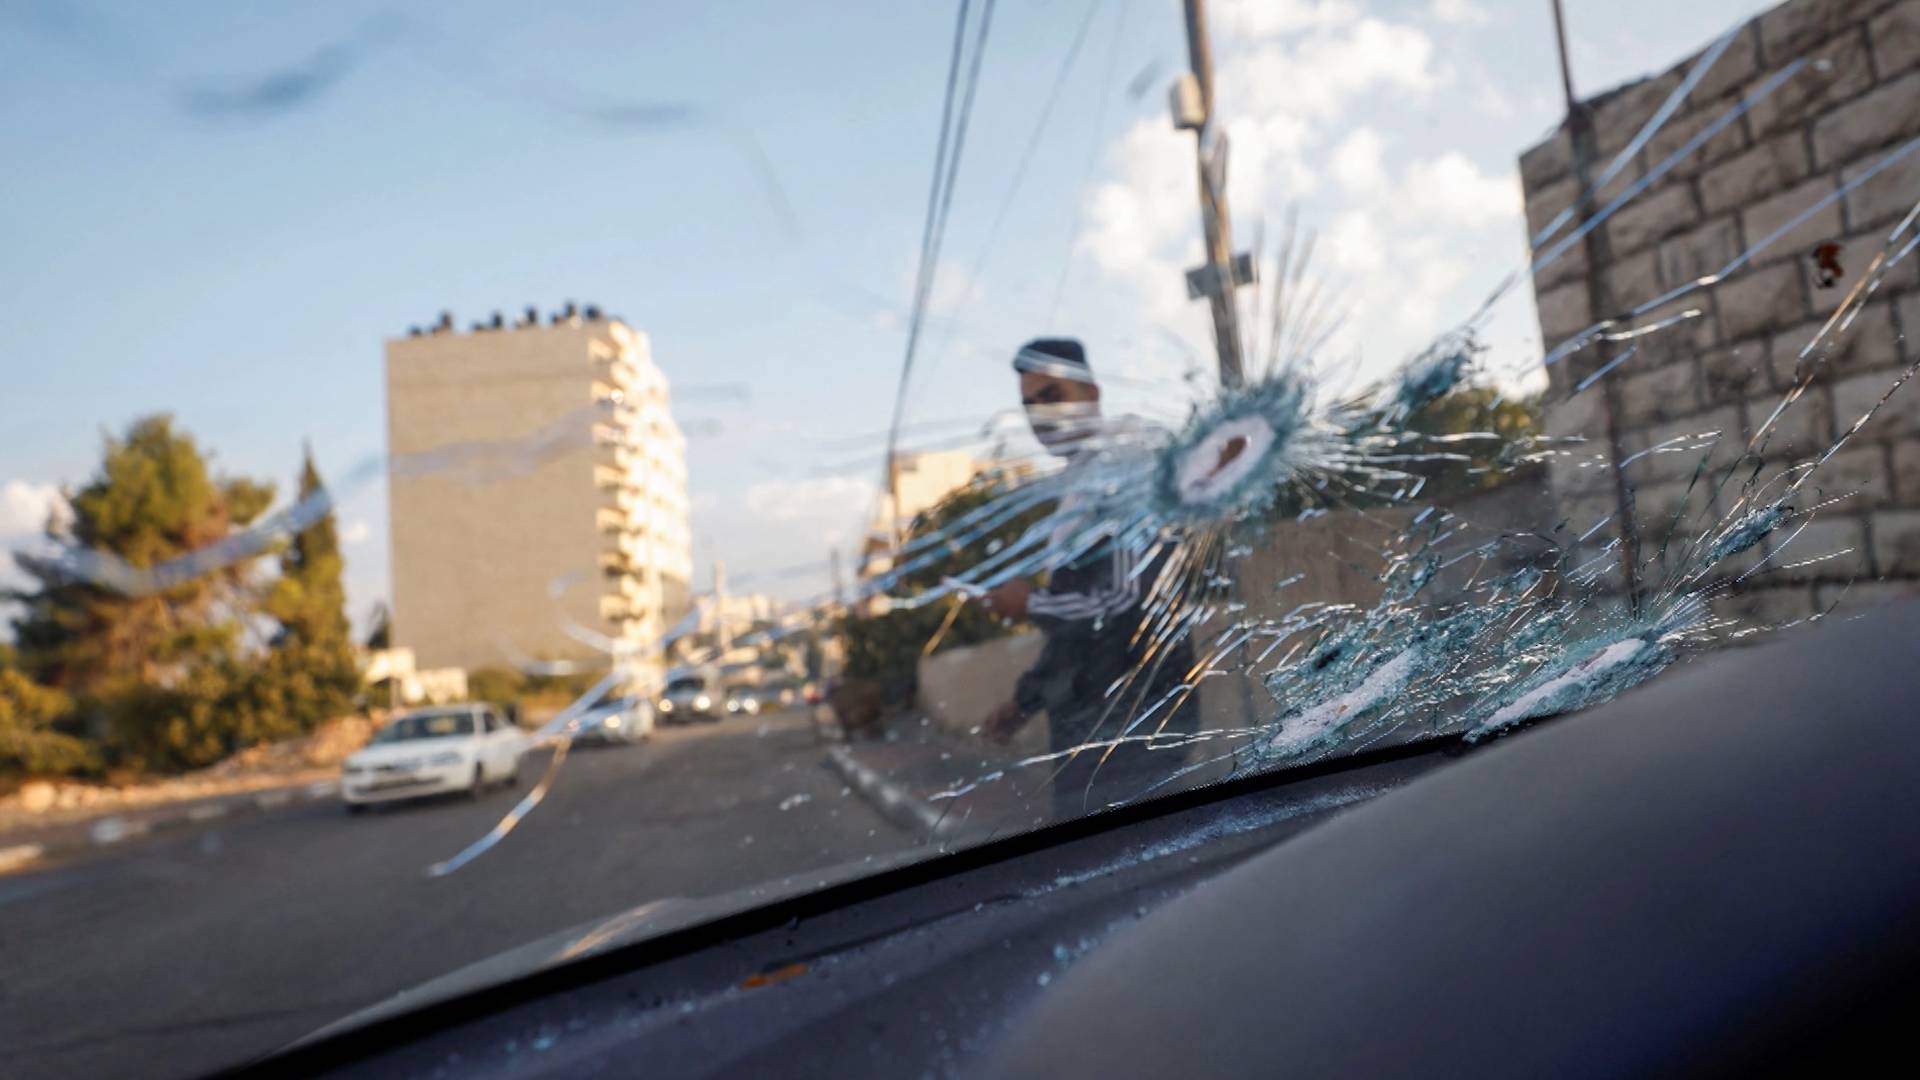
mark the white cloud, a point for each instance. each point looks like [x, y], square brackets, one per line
[1265, 18]
[1287, 70]
[1353, 242]
[816, 497]
[1454, 188]
[1330, 111]
[357, 531]
[1459, 13]
[1318, 75]
[24, 507]
[1357, 162]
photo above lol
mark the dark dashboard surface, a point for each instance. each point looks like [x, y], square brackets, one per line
[1711, 873]
[903, 979]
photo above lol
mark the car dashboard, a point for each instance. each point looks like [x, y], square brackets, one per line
[1716, 874]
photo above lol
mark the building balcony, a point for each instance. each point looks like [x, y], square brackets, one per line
[620, 370]
[615, 452]
[612, 479]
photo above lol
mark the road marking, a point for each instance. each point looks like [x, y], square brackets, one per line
[112, 830]
[19, 855]
[267, 800]
[207, 812]
[893, 801]
[320, 789]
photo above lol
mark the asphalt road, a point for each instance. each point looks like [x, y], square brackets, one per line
[201, 948]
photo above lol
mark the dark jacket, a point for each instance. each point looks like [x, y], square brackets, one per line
[1090, 612]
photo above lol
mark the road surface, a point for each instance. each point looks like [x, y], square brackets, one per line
[203, 947]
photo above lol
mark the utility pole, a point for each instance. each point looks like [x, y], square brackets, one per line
[1224, 272]
[1566, 69]
[722, 632]
[1599, 252]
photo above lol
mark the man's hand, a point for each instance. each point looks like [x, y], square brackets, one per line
[1008, 600]
[1002, 722]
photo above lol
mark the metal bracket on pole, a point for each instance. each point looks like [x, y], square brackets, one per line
[1204, 281]
[1188, 105]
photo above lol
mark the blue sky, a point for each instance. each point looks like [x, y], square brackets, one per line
[241, 269]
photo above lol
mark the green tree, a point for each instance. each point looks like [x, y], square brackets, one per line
[30, 741]
[885, 649]
[502, 686]
[1490, 462]
[154, 499]
[311, 670]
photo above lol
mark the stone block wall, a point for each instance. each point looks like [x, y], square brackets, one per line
[1852, 104]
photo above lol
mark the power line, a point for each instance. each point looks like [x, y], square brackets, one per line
[946, 169]
[1026, 161]
[926, 242]
[1093, 159]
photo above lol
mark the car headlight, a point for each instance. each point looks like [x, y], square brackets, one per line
[666, 706]
[703, 702]
[612, 721]
[449, 757]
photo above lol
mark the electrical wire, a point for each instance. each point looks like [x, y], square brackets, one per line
[946, 169]
[1020, 170]
[1093, 159]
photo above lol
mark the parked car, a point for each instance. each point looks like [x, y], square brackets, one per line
[618, 723]
[432, 751]
[691, 694]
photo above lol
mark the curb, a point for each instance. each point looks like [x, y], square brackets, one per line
[895, 803]
[19, 856]
[111, 829]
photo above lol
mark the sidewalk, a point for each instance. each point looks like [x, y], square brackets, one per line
[26, 846]
[943, 787]
[47, 818]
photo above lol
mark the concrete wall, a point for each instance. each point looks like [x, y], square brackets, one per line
[959, 687]
[1337, 558]
[1332, 559]
[1727, 370]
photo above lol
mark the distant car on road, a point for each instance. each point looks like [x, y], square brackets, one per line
[691, 694]
[754, 700]
[433, 751]
[617, 724]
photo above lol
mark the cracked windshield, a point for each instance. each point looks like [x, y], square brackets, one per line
[473, 472]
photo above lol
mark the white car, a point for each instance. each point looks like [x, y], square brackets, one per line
[691, 694]
[432, 751]
[623, 722]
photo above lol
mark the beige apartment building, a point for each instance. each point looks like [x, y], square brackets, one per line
[537, 491]
[921, 482]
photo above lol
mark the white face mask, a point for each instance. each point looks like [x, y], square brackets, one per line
[1052, 434]
[1060, 430]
